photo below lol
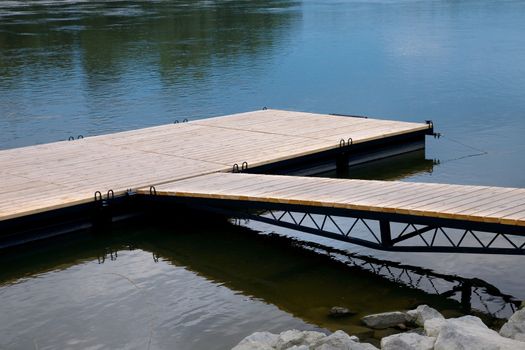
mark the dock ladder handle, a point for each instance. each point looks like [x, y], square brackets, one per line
[244, 166]
[343, 143]
[98, 196]
[152, 191]
[235, 168]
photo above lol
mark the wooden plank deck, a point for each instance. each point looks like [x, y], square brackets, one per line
[471, 203]
[56, 175]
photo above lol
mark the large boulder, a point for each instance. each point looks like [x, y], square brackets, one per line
[302, 340]
[515, 327]
[407, 341]
[293, 337]
[258, 341]
[385, 319]
[433, 326]
[341, 341]
[423, 313]
[468, 333]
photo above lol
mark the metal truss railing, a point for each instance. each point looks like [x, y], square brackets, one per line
[387, 234]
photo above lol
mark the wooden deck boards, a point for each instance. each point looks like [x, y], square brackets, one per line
[44, 177]
[485, 204]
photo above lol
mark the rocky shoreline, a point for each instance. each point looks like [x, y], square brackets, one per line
[426, 329]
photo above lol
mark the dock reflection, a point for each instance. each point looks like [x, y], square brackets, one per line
[302, 278]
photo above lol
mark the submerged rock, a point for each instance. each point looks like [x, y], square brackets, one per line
[385, 319]
[338, 311]
[515, 326]
[423, 313]
[467, 333]
[408, 341]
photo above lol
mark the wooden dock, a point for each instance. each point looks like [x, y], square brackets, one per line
[46, 177]
[195, 164]
[468, 203]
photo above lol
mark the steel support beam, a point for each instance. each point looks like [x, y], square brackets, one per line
[421, 234]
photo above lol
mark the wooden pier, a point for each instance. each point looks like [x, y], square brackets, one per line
[469, 203]
[194, 164]
[46, 177]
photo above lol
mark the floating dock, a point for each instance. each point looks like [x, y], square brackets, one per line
[195, 164]
[57, 175]
[470, 203]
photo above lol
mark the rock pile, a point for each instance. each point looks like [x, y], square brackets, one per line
[302, 340]
[436, 333]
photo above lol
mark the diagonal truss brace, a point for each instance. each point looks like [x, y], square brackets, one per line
[376, 230]
[412, 238]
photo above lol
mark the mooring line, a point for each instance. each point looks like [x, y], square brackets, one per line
[479, 150]
[464, 144]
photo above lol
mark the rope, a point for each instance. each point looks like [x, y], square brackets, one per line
[479, 151]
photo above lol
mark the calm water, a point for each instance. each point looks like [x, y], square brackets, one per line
[91, 67]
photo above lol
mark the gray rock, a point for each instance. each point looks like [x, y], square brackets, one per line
[433, 326]
[294, 337]
[515, 326]
[338, 311]
[362, 346]
[258, 341]
[470, 333]
[302, 340]
[401, 326]
[385, 320]
[423, 313]
[407, 341]
[341, 341]
[252, 346]
[419, 330]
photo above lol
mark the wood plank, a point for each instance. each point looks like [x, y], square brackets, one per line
[378, 196]
[41, 177]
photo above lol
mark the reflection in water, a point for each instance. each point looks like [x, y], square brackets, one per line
[170, 283]
[108, 292]
[473, 294]
[392, 168]
[120, 64]
[90, 67]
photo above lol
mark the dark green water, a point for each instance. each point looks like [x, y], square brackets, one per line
[91, 67]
